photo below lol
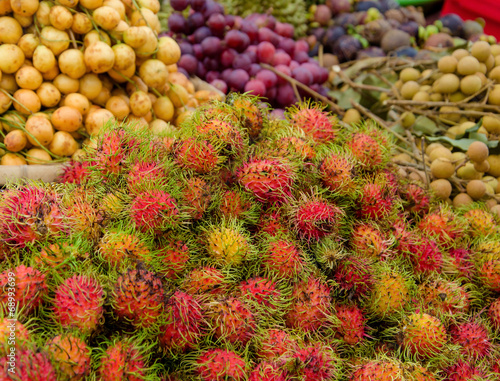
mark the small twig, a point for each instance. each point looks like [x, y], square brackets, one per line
[422, 146]
[296, 91]
[307, 89]
[412, 140]
[440, 104]
[15, 100]
[361, 86]
[456, 181]
[73, 40]
[320, 55]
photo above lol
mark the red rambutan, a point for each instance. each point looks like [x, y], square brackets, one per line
[494, 314]
[315, 123]
[30, 365]
[262, 291]
[354, 276]
[268, 371]
[199, 155]
[197, 196]
[473, 338]
[282, 258]
[76, 172]
[205, 281]
[317, 363]
[367, 150]
[220, 365]
[122, 361]
[463, 371]
[143, 174]
[426, 257]
[275, 343]
[424, 336]
[352, 323]
[155, 211]
[374, 203]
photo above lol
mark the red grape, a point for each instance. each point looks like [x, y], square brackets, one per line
[252, 53]
[265, 52]
[281, 58]
[211, 46]
[230, 20]
[277, 113]
[216, 23]
[201, 70]
[301, 46]
[267, 77]
[188, 63]
[323, 75]
[302, 75]
[288, 45]
[225, 74]
[266, 34]
[186, 47]
[237, 79]
[177, 23]
[198, 5]
[220, 85]
[293, 65]
[195, 21]
[201, 34]
[271, 93]
[211, 75]
[227, 57]
[237, 40]
[314, 69]
[211, 63]
[284, 29]
[254, 69]
[211, 7]
[242, 61]
[198, 51]
[285, 95]
[255, 87]
[179, 5]
[301, 57]
[285, 70]
[250, 29]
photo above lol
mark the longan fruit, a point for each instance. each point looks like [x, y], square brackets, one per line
[494, 161]
[450, 113]
[442, 168]
[447, 64]
[495, 210]
[476, 189]
[447, 84]
[409, 74]
[478, 151]
[440, 152]
[468, 65]
[409, 89]
[468, 172]
[460, 53]
[442, 188]
[481, 50]
[407, 119]
[431, 147]
[352, 116]
[494, 97]
[462, 199]
[482, 167]
[470, 84]
[421, 96]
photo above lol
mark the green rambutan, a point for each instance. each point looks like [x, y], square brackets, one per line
[71, 355]
[27, 285]
[221, 364]
[138, 297]
[424, 336]
[183, 329]
[315, 123]
[222, 133]
[252, 115]
[311, 305]
[78, 303]
[155, 211]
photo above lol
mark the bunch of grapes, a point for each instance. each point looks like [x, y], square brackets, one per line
[227, 50]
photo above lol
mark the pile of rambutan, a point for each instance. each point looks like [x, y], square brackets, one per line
[245, 248]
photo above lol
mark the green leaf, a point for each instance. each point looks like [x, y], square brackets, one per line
[344, 97]
[425, 126]
[463, 144]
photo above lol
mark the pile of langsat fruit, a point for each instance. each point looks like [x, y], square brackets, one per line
[67, 68]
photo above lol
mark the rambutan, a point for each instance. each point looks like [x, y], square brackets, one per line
[76, 172]
[83, 217]
[378, 370]
[78, 303]
[337, 172]
[443, 296]
[227, 244]
[13, 334]
[315, 217]
[183, 329]
[316, 362]
[29, 214]
[442, 225]
[197, 196]
[352, 323]
[199, 155]
[390, 294]
[473, 338]
[310, 308]
[155, 211]
[424, 336]
[30, 365]
[220, 365]
[354, 276]
[488, 270]
[268, 371]
[463, 370]
[251, 115]
[415, 199]
[144, 174]
[122, 360]
[71, 355]
[275, 343]
[271, 223]
[138, 297]
[294, 146]
[282, 258]
[230, 319]
[205, 281]
[261, 291]
[494, 313]
[28, 286]
[173, 255]
[479, 223]
[418, 373]
[238, 204]
[457, 261]
[366, 150]
[222, 133]
[112, 151]
[374, 202]
[116, 246]
[426, 257]
[270, 180]
[367, 241]
[315, 123]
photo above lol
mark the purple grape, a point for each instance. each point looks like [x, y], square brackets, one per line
[314, 69]
[179, 5]
[181, 70]
[211, 75]
[198, 51]
[195, 21]
[186, 47]
[201, 70]
[277, 113]
[245, 42]
[285, 95]
[285, 70]
[250, 29]
[267, 77]
[188, 63]
[271, 93]
[281, 58]
[235, 39]
[230, 20]
[301, 46]
[227, 57]
[255, 87]
[202, 34]
[237, 79]
[288, 45]
[284, 29]
[177, 23]
[216, 23]
[198, 5]
[293, 65]
[266, 34]
[254, 69]
[225, 74]
[301, 57]
[220, 85]
[302, 75]
[242, 61]
[211, 46]
[211, 63]
[323, 75]
[252, 53]
[271, 22]
[265, 52]
[211, 7]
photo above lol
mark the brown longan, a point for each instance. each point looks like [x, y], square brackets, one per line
[478, 151]
[481, 50]
[468, 65]
[476, 189]
[442, 168]
[442, 188]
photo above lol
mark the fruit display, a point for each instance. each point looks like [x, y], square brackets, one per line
[443, 111]
[68, 68]
[240, 246]
[347, 30]
[229, 52]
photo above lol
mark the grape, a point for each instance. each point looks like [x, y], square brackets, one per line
[201, 34]
[267, 77]
[220, 85]
[277, 113]
[198, 51]
[237, 40]
[230, 20]
[211, 75]
[179, 5]
[285, 70]
[211, 7]
[271, 22]
[265, 52]
[225, 74]
[250, 29]
[301, 46]
[254, 69]
[271, 93]
[186, 47]
[255, 87]
[201, 70]
[302, 75]
[211, 63]
[177, 23]
[216, 23]
[198, 5]
[227, 57]
[181, 70]
[314, 69]
[288, 45]
[211, 46]
[251, 52]
[293, 65]
[285, 95]
[301, 57]
[323, 75]
[284, 29]
[237, 79]
[242, 61]
[195, 21]
[188, 63]
[281, 58]
[266, 34]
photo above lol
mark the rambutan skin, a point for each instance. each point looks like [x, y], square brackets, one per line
[473, 337]
[220, 365]
[154, 211]
[315, 219]
[200, 156]
[424, 335]
[352, 323]
[318, 363]
[314, 122]
[122, 361]
[30, 365]
[283, 259]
